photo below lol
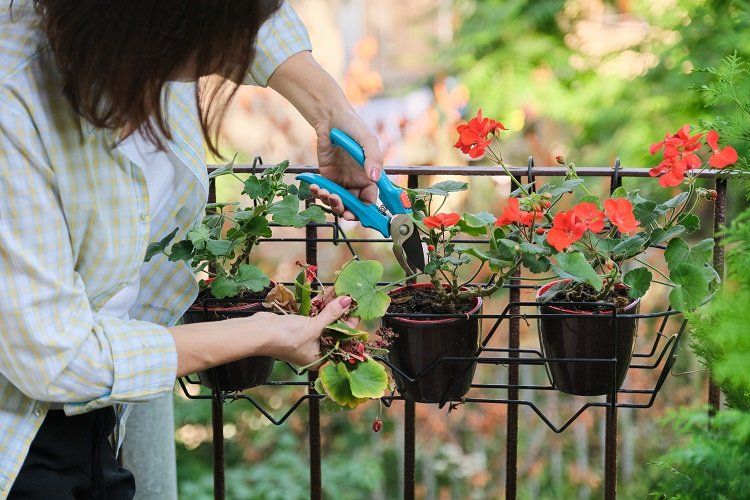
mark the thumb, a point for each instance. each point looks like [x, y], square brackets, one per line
[333, 311]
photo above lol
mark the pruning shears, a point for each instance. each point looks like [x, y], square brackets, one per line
[407, 245]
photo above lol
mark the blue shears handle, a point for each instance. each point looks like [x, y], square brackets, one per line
[368, 215]
[389, 194]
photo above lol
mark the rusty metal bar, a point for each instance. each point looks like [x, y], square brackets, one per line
[316, 474]
[410, 434]
[610, 427]
[480, 170]
[217, 424]
[720, 215]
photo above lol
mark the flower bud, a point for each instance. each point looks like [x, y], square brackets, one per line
[377, 424]
[430, 248]
[539, 231]
[546, 204]
[560, 159]
[711, 195]
[547, 196]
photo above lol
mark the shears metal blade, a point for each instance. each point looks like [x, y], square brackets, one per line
[399, 225]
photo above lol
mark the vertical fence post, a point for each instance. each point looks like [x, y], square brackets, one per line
[316, 475]
[514, 342]
[410, 436]
[720, 215]
[217, 411]
[217, 424]
[610, 426]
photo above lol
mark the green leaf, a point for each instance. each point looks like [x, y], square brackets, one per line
[444, 188]
[672, 203]
[257, 188]
[251, 278]
[492, 257]
[644, 210]
[160, 246]
[199, 236]
[368, 380]
[629, 246]
[660, 235]
[536, 263]
[345, 332]
[639, 281]
[590, 198]
[574, 266]
[182, 250]
[359, 280]
[690, 222]
[567, 186]
[476, 224]
[692, 287]
[620, 192]
[678, 252]
[219, 248]
[457, 261]
[303, 292]
[527, 247]
[226, 169]
[257, 226]
[286, 213]
[335, 382]
[222, 288]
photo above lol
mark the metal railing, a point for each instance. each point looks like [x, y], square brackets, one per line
[664, 348]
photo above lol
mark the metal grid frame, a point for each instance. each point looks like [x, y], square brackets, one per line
[513, 356]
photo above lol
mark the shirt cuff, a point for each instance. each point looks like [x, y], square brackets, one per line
[280, 37]
[144, 359]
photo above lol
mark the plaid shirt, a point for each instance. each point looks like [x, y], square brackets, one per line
[74, 226]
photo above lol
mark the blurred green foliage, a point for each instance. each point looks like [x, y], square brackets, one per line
[540, 57]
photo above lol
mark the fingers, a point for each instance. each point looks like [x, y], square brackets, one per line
[333, 201]
[373, 155]
[333, 311]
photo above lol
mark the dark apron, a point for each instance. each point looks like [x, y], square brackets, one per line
[72, 458]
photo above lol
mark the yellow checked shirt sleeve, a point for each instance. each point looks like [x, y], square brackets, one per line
[53, 346]
[282, 36]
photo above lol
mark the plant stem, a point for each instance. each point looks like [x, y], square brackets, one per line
[651, 267]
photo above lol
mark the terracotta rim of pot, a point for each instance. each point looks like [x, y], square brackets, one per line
[430, 321]
[546, 287]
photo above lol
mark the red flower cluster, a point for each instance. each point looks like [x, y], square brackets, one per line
[569, 227]
[680, 155]
[441, 221]
[512, 214]
[473, 137]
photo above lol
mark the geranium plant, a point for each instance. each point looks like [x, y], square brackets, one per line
[350, 375]
[594, 244]
[222, 242]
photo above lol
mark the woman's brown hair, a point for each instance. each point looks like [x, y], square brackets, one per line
[117, 56]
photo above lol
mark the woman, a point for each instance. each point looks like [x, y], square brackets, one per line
[100, 153]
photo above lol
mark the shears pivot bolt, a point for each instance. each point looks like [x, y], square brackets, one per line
[404, 229]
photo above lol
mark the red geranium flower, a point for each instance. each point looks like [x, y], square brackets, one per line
[473, 136]
[721, 158]
[679, 156]
[590, 215]
[620, 212]
[512, 214]
[566, 230]
[441, 221]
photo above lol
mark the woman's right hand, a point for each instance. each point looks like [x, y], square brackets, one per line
[295, 338]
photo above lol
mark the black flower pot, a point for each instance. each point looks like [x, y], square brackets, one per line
[587, 335]
[237, 375]
[420, 342]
